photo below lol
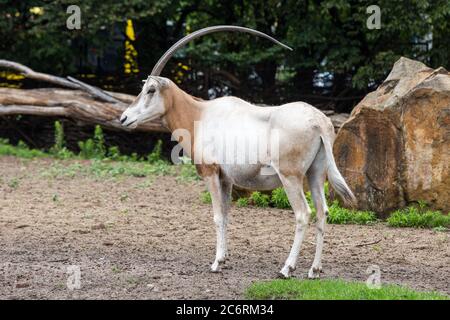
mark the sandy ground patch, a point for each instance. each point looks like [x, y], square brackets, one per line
[152, 238]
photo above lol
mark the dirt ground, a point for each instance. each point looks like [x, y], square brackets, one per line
[152, 238]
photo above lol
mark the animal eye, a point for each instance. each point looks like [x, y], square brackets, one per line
[151, 90]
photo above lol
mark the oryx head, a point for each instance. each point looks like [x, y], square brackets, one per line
[149, 104]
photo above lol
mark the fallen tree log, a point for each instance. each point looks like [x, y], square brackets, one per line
[70, 82]
[82, 102]
[74, 104]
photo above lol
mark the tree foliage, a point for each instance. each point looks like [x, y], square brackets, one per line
[335, 54]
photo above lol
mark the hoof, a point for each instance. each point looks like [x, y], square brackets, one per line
[215, 270]
[285, 273]
[314, 273]
[215, 267]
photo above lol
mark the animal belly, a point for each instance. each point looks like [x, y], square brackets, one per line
[254, 177]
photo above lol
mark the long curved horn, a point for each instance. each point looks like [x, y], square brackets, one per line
[163, 60]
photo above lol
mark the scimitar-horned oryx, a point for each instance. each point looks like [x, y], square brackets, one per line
[303, 137]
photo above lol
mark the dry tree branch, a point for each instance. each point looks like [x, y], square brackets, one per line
[70, 82]
[83, 102]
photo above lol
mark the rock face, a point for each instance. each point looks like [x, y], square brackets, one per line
[395, 147]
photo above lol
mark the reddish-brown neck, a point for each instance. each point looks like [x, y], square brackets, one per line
[182, 111]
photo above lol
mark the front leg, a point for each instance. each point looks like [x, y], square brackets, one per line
[220, 190]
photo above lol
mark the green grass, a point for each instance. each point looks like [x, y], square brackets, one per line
[13, 183]
[340, 215]
[108, 169]
[21, 150]
[103, 162]
[418, 217]
[279, 199]
[188, 173]
[205, 197]
[92, 148]
[97, 166]
[293, 289]
[440, 229]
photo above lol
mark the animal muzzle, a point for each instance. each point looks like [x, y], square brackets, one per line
[126, 121]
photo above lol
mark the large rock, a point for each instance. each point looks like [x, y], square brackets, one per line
[394, 149]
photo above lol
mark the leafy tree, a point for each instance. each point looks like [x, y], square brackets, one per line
[336, 58]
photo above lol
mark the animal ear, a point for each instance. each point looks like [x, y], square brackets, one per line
[163, 83]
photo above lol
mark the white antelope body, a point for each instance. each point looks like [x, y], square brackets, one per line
[292, 141]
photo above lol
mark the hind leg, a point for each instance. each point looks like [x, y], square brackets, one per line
[316, 179]
[293, 186]
[291, 164]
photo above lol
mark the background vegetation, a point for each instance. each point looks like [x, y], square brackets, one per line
[336, 58]
[335, 62]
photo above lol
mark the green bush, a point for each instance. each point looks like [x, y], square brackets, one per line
[155, 155]
[337, 214]
[59, 138]
[114, 154]
[93, 148]
[259, 199]
[99, 143]
[59, 149]
[418, 217]
[133, 157]
[87, 149]
[279, 199]
[242, 202]
[340, 215]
